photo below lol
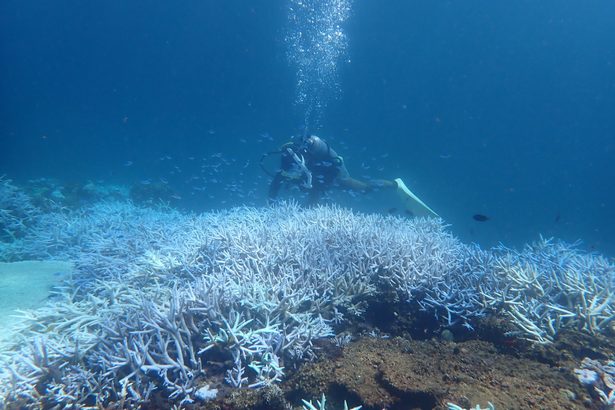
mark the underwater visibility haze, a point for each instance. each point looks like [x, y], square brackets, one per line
[244, 204]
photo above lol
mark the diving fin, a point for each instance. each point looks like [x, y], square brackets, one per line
[412, 202]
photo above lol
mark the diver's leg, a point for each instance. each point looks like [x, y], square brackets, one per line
[382, 183]
[346, 181]
[354, 184]
[361, 186]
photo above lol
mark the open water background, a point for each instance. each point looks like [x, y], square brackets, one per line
[501, 108]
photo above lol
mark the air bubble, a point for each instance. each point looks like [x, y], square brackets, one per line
[316, 43]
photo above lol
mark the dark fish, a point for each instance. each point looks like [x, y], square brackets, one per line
[557, 217]
[392, 210]
[480, 217]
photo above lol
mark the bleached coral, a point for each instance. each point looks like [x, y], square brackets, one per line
[551, 285]
[17, 213]
[453, 406]
[601, 378]
[322, 404]
[160, 295]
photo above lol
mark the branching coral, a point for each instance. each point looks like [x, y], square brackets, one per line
[599, 377]
[17, 214]
[551, 285]
[160, 296]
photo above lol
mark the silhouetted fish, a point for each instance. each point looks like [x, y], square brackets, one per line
[480, 217]
[392, 210]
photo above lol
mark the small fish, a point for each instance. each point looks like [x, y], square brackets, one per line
[480, 217]
[266, 136]
[557, 217]
[392, 210]
[128, 163]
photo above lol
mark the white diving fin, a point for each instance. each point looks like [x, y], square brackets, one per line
[412, 203]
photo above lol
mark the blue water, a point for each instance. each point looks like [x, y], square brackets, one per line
[501, 108]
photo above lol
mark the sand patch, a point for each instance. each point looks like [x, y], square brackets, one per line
[27, 285]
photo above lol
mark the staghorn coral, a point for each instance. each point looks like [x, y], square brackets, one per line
[17, 213]
[158, 293]
[551, 285]
[453, 406]
[160, 297]
[322, 404]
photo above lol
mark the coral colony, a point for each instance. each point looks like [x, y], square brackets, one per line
[600, 377]
[172, 304]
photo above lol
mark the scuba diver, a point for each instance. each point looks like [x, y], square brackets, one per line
[315, 167]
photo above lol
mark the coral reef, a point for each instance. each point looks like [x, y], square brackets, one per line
[17, 213]
[550, 286]
[148, 192]
[396, 373]
[600, 377]
[322, 405]
[453, 406]
[172, 306]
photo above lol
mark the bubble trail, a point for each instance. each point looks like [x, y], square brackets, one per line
[316, 42]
